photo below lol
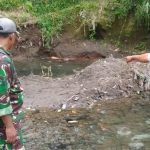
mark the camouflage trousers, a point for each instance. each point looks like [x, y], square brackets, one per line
[18, 144]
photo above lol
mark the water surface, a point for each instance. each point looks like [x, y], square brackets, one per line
[58, 68]
[120, 124]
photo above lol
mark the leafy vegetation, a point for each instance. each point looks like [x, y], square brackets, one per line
[139, 9]
[53, 15]
[10, 4]
[140, 46]
[52, 22]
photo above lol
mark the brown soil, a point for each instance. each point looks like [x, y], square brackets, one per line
[104, 79]
[66, 46]
[29, 43]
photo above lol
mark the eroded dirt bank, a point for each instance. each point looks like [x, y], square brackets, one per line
[104, 79]
[31, 45]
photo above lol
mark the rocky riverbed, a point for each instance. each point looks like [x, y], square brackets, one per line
[118, 124]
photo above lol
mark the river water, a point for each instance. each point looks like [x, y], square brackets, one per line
[58, 67]
[120, 124]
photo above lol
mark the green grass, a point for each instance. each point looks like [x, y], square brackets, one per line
[52, 23]
[52, 15]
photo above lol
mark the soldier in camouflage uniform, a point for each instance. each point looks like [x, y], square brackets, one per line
[11, 98]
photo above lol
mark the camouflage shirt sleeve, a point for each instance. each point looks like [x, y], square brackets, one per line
[5, 82]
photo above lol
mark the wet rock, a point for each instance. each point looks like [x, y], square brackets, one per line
[69, 148]
[112, 120]
[100, 142]
[148, 121]
[87, 134]
[72, 139]
[103, 112]
[124, 131]
[88, 148]
[141, 137]
[31, 135]
[79, 117]
[36, 111]
[76, 98]
[25, 127]
[136, 146]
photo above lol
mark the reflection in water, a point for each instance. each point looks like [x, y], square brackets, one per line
[124, 126]
[58, 68]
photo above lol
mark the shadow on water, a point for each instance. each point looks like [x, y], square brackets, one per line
[58, 68]
[120, 124]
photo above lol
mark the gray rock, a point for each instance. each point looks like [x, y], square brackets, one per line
[136, 146]
[141, 137]
[124, 131]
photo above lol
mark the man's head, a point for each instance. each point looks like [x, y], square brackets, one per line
[8, 32]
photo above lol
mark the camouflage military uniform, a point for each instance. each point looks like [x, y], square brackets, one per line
[11, 100]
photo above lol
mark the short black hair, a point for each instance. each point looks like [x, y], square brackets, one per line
[5, 35]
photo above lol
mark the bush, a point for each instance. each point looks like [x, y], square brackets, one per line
[140, 9]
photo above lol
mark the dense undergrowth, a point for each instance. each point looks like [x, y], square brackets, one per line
[53, 15]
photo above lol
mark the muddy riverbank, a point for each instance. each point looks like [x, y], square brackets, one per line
[65, 47]
[104, 79]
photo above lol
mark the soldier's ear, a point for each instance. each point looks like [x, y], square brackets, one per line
[11, 37]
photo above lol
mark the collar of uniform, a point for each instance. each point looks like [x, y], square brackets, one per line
[5, 51]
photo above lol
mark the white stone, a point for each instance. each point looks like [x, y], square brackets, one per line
[140, 137]
[136, 146]
[124, 131]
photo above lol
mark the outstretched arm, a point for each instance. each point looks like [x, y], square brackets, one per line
[141, 58]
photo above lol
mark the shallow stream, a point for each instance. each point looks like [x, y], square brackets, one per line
[58, 67]
[121, 124]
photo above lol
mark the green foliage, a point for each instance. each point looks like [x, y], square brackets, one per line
[52, 15]
[23, 17]
[29, 6]
[143, 14]
[140, 46]
[92, 34]
[140, 9]
[10, 4]
[102, 42]
[50, 25]
[117, 43]
[123, 7]
[52, 22]
[42, 6]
